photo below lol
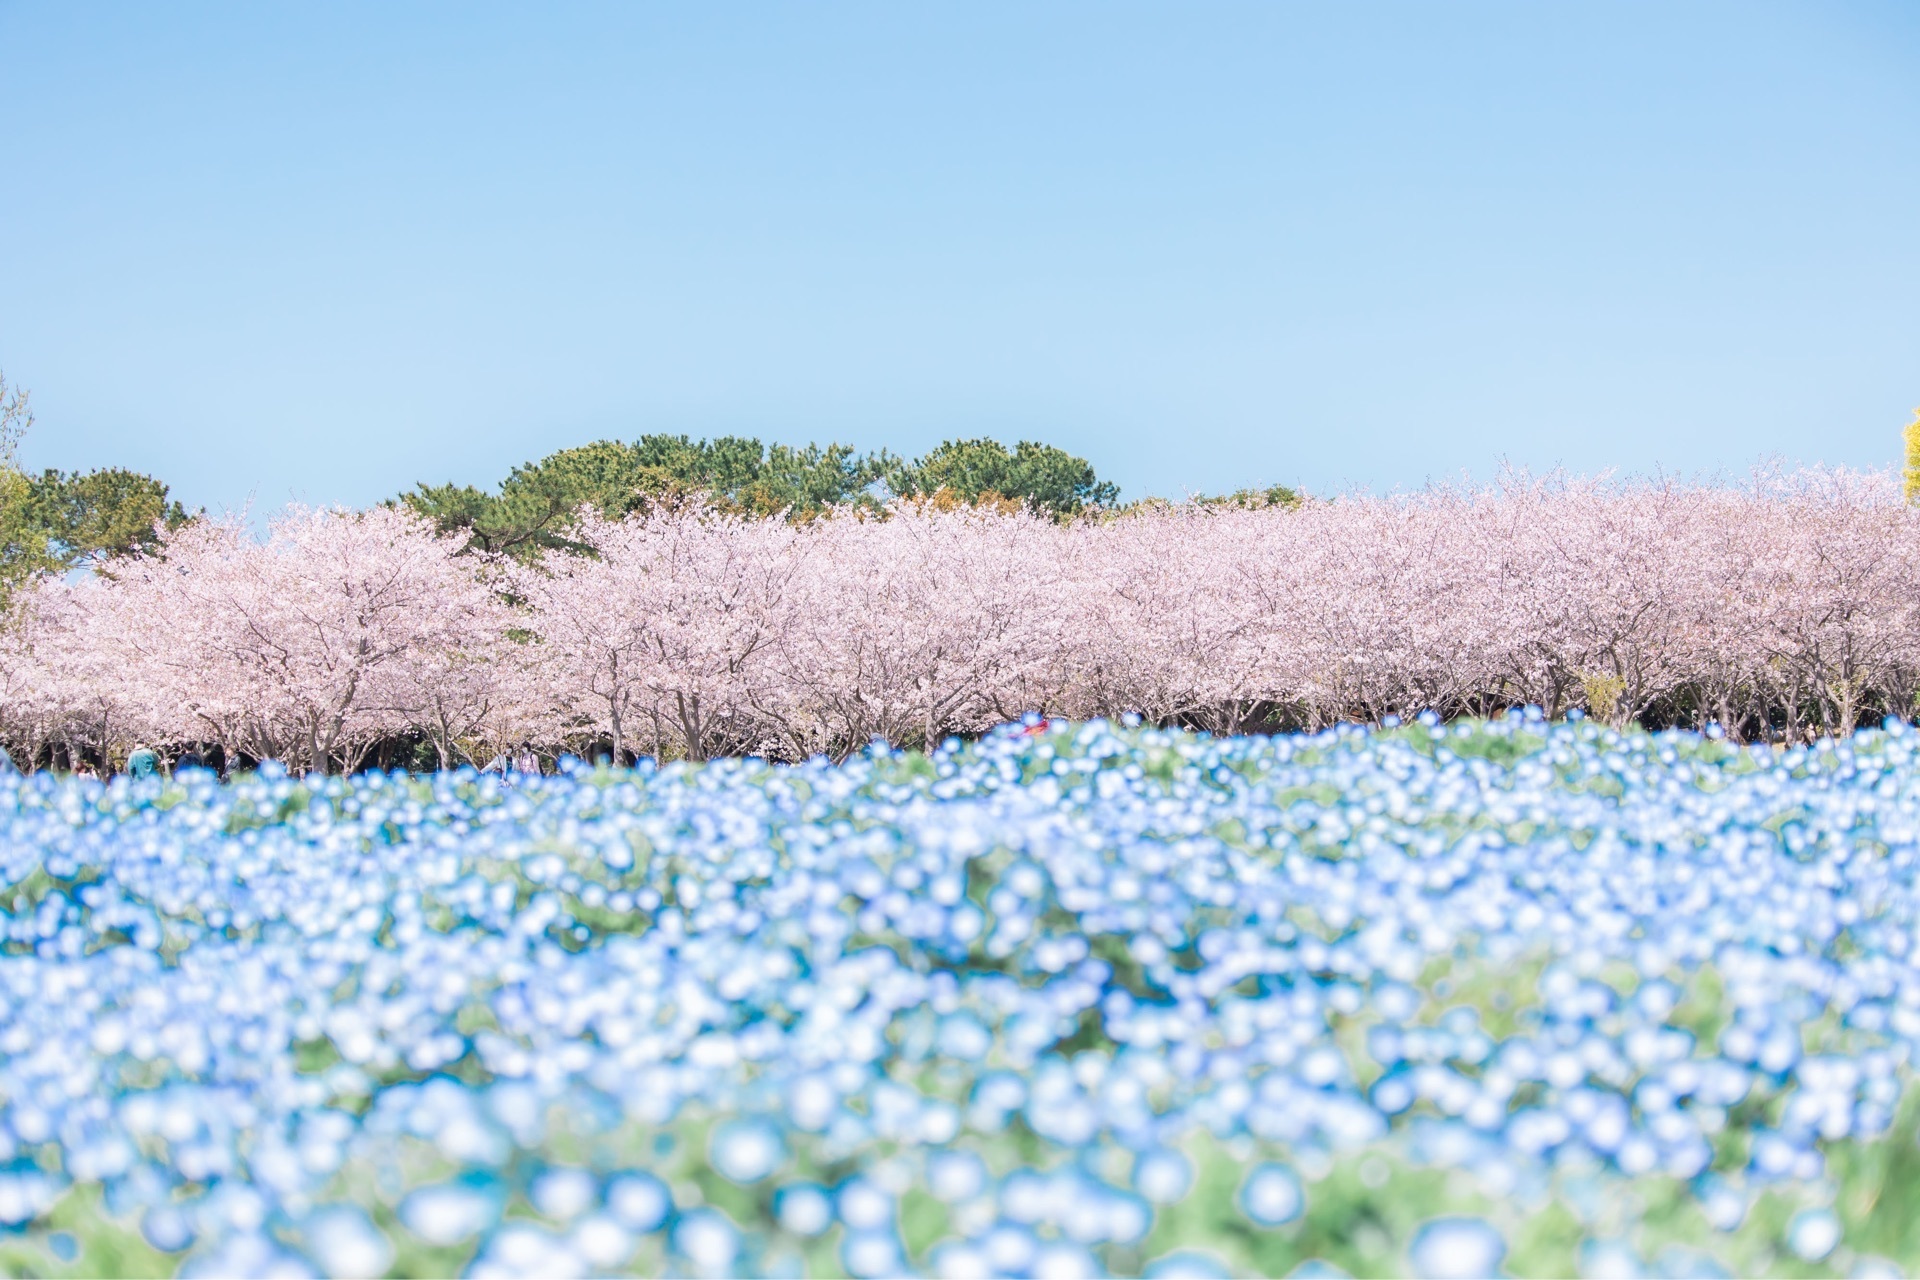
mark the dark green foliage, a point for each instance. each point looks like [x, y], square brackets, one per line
[101, 514]
[1046, 479]
[535, 505]
[61, 520]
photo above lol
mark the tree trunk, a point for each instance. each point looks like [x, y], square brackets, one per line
[690, 726]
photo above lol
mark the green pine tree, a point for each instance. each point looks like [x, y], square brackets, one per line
[61, 520]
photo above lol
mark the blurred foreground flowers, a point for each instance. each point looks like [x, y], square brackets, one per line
[1072, 999]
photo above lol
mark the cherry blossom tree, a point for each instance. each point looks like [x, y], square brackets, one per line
[670, 623]
[1790, 604]
[909, 628]
[281, 648]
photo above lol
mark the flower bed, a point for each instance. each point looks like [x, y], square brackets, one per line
[1069, 999]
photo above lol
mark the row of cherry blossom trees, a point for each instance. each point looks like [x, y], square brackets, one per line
[1789, 606]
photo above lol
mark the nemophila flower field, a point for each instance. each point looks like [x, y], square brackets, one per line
[1065, 1000]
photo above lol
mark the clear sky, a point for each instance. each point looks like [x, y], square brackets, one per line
[323, 251]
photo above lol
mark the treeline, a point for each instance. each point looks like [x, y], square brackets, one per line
[684, 598]
[1783, 610]
[54, 521]
[535, 508]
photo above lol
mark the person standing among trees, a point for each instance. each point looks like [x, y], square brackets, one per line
[144, 762]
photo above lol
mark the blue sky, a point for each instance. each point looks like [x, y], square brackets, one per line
[321, 252]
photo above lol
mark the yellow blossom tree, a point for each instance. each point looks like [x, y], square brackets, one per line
[1913, 458]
